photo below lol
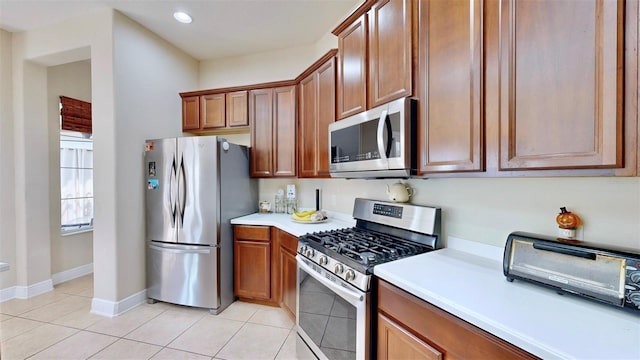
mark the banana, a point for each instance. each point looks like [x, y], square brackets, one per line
[305, 213]
[303, 216]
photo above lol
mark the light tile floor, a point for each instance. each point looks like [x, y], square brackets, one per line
[59, 325]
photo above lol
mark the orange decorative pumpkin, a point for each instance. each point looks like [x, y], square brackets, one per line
[567, 219]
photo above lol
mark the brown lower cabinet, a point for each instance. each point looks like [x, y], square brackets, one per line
[411, 328]
[265, 266]
[252, 262]
[288, 279]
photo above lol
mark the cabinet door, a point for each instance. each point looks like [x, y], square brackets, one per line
[289, 277]
[352, 69]
[561, 84]
[307, 122]
[395, 342]
[284, 131]
[390, 50]
[451, 136]
[326, 114]
[316, 112]
[237, 106]
[190, 113]
[212, 111]
[261, 115]
[252, 265]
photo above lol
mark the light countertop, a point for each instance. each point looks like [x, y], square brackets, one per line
[466, 280]
[284, 222]
[534, 318]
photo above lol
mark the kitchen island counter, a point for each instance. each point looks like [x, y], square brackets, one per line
[534, 318]
[285, 223]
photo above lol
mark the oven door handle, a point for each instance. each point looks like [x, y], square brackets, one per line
[350, 296]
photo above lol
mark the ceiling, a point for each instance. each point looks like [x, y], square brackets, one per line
[220, 28]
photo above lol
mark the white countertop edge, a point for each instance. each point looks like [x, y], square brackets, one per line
[462, 262]
[520, 340]
[285, 223]
[4, 266]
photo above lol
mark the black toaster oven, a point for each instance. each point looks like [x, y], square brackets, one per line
[606, 274]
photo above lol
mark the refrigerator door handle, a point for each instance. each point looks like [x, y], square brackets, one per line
[180, 251]
[172, 193]
[182, 190]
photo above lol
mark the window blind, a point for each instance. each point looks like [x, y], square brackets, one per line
[75, 115]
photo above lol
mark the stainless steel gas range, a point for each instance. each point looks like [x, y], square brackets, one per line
[335, 299]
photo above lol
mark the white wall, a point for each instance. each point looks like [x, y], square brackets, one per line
[72, 80]
[33, 52]
[149, 74]
[278, 65]
[135, 80]
[7, 200]
[487, 210]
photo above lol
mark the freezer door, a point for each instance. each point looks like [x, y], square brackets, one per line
[183, 274]
[198, 178]
[161, 200]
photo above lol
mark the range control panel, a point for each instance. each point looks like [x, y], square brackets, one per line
[387, 210]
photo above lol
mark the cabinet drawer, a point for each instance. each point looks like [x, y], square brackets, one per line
[289, 242]
[246, 232]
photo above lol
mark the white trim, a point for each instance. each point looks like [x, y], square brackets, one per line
[71, 274]
[112, 308]
[7, 294]
[76, 232]
[26, 292]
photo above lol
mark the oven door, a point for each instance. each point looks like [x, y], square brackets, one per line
[374, 143]
[331, 315]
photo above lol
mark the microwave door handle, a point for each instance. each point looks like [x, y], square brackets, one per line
[571, 252]
[382, 148]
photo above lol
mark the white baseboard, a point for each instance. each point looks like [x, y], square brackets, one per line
[26, 292]
[114, 308]
[7, 294]
[71, 274]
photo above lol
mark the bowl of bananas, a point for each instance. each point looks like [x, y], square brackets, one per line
[309, 217]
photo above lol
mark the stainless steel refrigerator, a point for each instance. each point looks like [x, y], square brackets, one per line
[195, 185]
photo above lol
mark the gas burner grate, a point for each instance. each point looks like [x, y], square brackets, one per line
[365, 247]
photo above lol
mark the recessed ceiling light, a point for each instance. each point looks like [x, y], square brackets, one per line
[182, 17]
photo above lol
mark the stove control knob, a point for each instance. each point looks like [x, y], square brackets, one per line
[310, 253]
[350, 275]
[302, 250]
[338, 269]
[323, 260]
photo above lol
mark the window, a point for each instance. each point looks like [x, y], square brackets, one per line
[76, 179]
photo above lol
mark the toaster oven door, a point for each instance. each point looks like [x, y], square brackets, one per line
[594, 275]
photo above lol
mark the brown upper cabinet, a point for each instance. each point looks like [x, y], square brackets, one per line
[451, 126]
[527, 88]
[218, 111]
[316, 110]
[237, 108]
[212, 111]
[561, 84]
[190, 113]
[272, 114]
[375, 56]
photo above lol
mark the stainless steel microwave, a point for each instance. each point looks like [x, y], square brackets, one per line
[377, 143]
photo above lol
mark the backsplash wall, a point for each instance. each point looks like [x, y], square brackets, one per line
[488, 209]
